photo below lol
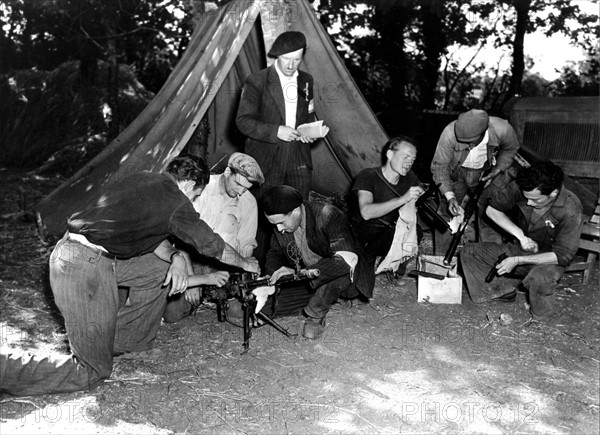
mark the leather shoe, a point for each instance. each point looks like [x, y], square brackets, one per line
[507, 298]
[313, 328]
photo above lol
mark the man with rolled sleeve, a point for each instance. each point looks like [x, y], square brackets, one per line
[546, 221]
[467, 148]
[119, 241]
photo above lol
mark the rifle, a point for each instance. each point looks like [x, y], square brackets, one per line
[240, 286]
[422, 204]
[470, 208]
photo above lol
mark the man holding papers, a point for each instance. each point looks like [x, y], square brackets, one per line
[275, 104]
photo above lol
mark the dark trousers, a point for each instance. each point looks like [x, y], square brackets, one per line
[85, 286]
[290, 170]
[326, 295]
[479, 228]
[476, 261]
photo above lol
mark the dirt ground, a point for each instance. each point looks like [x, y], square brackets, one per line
[394, 366]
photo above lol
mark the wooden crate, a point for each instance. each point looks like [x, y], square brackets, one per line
[435, 291]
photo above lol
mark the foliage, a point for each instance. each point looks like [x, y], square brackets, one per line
[44, 111]
[405, 53]
[147, 35]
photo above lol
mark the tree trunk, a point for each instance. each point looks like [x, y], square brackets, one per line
[518, 65]
[433, 46]
[109, 20]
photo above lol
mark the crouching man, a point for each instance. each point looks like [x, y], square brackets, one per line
[315, 235]
[546, 221]
[119, 240]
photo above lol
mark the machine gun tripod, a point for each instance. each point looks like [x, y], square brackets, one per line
[240, 286]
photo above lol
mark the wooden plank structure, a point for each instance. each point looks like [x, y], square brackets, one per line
[565, 130]
[590, 242]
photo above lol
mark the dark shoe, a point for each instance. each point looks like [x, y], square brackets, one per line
[507, 298]
[313, 328]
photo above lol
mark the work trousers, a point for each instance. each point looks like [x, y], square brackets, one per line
[327, 294]
[478, 229]
[477, 259]
[85, 287]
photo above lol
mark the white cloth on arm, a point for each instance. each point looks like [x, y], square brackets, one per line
[405, 244]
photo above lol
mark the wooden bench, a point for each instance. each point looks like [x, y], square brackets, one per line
[590, 242]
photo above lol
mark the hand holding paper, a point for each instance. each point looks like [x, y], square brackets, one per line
[313, 130]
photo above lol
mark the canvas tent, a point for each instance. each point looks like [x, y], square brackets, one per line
[226, 46]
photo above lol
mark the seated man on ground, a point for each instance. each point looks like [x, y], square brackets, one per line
[546, 219]
[105, 248]
[315, 235]
[382, 193]
[230, 210]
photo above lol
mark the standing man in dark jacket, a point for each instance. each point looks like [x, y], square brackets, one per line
[274, 102]
[467, 147]
[317, 236]
[119, 242]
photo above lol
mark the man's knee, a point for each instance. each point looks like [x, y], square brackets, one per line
[543, 278]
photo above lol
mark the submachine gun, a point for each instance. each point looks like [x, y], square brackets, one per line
[240, 286]
[470, 208]
[423, 205]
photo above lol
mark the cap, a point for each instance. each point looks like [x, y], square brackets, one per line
[287, 42]
[471, 125]
[245, 165]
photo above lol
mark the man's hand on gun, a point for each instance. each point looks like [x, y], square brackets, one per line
[507, 265]
[454, 207]
[282, 271]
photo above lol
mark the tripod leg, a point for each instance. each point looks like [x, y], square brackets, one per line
[247, 332]
[274, 324]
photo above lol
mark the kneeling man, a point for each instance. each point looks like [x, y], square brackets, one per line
[315, 235]
[546, 220]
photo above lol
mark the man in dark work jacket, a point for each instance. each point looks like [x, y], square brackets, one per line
[119, 242]
[317, 236]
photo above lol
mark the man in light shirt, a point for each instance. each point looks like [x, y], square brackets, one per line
[467, 148]
[230, 210]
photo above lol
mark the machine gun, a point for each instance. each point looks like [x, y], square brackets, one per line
[470, 208]
[423, 205]
[240, 286]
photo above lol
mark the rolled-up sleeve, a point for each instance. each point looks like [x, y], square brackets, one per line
[186, 225]
[566, 238]
[508, 147]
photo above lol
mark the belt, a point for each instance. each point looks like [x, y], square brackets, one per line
[81, 239]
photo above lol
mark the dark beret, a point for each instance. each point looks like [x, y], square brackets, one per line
[280, 200]
[287, 42]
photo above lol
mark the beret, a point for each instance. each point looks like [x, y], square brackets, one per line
[245, 165]
[280, 200]
[471, 125]
[287, 42]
